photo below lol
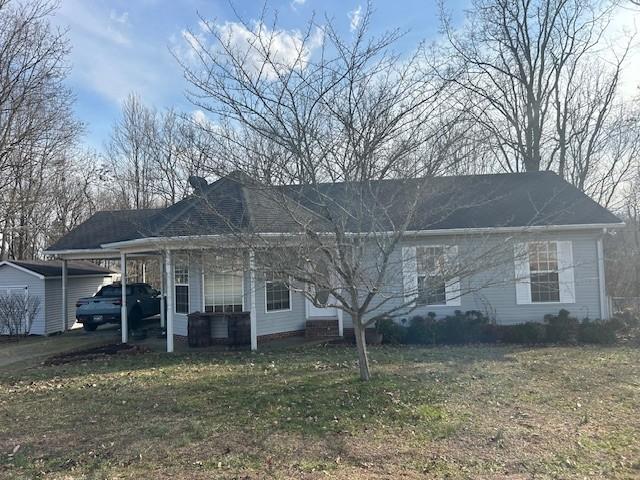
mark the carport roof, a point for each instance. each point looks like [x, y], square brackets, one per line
[53, 268]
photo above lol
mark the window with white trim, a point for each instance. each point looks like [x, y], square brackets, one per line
[181, 280]
[277, 293]
[431, 268]
[544, 276]
[223, 292]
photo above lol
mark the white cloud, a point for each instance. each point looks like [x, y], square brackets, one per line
[105, 57]
[122, 18]
[200, 117]
[297, 3]
[355, 17]
[286, 48]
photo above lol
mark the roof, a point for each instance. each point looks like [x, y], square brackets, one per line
[236, 203]
[53, 268]
[107, 227]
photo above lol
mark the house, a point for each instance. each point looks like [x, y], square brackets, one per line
[549, 233]
[44, 280]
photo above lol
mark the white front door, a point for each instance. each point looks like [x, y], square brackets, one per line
[321, 312]
[322, 297]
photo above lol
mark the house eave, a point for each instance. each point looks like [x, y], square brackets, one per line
[221, 240]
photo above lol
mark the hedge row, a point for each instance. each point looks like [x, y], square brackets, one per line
[475, 327]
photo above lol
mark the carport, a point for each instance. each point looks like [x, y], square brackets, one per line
[87, 242]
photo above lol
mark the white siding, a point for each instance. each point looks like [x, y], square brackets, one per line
[492, 289]
[77, 287]
[11, 276]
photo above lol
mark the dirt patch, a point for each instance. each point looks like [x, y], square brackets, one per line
[96, 353]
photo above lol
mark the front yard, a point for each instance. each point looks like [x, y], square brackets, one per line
[465, 412]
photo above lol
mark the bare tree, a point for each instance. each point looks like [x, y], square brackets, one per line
[313, 135]
[17, 313]
[36, 123]
[541, 90]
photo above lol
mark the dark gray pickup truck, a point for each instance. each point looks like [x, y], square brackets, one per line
[104, 307]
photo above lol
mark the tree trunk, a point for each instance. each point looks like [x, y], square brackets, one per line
[361, 346]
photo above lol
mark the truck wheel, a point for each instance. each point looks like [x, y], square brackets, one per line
[89, 327]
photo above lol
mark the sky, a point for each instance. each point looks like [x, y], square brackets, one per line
[124, 46]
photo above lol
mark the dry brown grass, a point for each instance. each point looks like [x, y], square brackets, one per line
[464, 412]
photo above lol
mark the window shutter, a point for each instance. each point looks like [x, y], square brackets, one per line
[452, 287]
[409, 274]
[522, 274]
[565, 272]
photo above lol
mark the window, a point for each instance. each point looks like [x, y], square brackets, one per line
[544, 276]
[277, 292]
[431, 276]
[223, 292]
[182, 285]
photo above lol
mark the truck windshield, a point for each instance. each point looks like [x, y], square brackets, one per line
[112, 291]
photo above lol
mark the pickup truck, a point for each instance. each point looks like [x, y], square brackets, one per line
[104, 307]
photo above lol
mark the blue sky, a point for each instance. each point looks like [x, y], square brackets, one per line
[122, 46]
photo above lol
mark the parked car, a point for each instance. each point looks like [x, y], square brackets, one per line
[104, 307]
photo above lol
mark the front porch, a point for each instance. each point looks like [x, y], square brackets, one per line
[214, 284]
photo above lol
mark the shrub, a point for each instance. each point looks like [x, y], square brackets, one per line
[561, 328]
[17, 313]
[392, 333]
[459, 328]
[422, 330]
[471, 326]
[603, 332]
[529, 333]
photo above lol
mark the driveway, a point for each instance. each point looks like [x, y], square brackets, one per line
[31, 350]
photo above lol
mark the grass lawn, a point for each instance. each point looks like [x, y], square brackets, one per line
[464, 412]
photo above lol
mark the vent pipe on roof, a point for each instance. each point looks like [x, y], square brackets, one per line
[198, 183]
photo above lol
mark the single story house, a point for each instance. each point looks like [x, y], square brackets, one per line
[46, 280]
[547, 233]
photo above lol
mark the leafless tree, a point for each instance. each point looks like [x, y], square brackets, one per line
[331, 111]
[152, 154]
[36, 123]
[17, 313]
[541, 90]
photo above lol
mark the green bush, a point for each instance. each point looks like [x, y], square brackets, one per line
[474, 327]
[561, 328]
[392, 333]
[530, 333]
[599, 331]
[422, 330]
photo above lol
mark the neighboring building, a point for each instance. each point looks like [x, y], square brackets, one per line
[43, 279]
[554, 233]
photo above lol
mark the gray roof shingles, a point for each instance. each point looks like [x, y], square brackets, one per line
[235, 203]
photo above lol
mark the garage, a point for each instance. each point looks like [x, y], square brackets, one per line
[44, 280]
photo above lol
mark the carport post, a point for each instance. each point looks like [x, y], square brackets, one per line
[124, 326]
[65, 305]
[253, 313]
[163, 291]
[170, 300]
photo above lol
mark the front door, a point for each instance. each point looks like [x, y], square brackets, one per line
[322, 297]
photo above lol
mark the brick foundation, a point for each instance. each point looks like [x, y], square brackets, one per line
[280, 336]
[317, 329]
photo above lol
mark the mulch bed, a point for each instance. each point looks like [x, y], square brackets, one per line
[96, 353]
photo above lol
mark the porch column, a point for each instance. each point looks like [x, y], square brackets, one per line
[340, 322]
[253, 313]
[163, 292]
[604, 304]
[124, 325]
[170, 299]
[65, 303]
